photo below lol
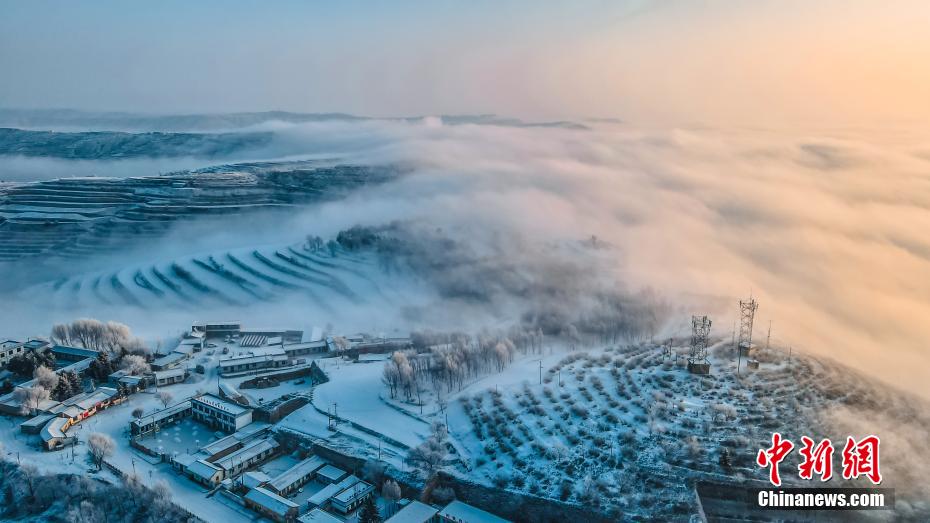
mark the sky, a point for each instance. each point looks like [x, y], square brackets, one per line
[764, 62]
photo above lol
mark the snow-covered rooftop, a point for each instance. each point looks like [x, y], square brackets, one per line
[297, 472]
[37, 421]
[354, 491]
[219, 403]
[250, 431]
[276, 354]
[169, 359]
[162, 414]
[414, 512]
[271, 501]
[79, 352]
[324, 494]
[55, 428]
[331, 490]
[203, 469]
[255, 478]
[318, 516]
[460, 512]
[246, 453]
[170, 373]
[331, 473]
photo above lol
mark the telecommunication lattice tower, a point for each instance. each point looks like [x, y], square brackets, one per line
[700, 331]
[747, 313]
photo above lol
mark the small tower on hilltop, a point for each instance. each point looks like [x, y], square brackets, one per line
[747, 313]
[697, 358]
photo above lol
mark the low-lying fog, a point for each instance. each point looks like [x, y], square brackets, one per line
[827, 229]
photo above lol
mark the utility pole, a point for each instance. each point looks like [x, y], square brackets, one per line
[733, 342]
[739, 359]
[768, 338]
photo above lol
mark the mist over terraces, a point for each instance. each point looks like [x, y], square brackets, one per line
[83, 216]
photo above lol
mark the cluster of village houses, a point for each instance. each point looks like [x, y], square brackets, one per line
[257, 351]
[312, 490]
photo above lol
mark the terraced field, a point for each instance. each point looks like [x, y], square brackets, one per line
[76, 217]
[326, 279]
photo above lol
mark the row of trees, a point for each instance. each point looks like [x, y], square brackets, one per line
[445, 361]
[112, 337]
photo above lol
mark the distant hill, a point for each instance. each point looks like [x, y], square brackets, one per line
[110, 145]
[69, 119]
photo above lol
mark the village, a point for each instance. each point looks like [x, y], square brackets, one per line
[207, 417]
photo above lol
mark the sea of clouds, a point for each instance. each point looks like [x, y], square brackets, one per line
[826, 228]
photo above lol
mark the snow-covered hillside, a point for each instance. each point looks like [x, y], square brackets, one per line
[328, 281]
[628, 431]
[118, 145]
[73, 218]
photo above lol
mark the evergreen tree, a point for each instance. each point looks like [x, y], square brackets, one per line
[725, 462]
[369, 512]
[102, 367]
[63, 390]
[75, 381]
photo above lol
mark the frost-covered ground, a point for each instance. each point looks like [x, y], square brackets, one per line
[617, 428]
[354, 391]
[623, 429]
[627, 431]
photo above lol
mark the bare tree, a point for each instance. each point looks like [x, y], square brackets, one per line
[428, 456]
[134, 365]
[100, 446]
[30, 398]
[391, 378]
[45, 377]
[61, 334]
[30, 475]
[164, 397]
[137, 412]
[341, 343]
[391, 493]
[94, 334]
